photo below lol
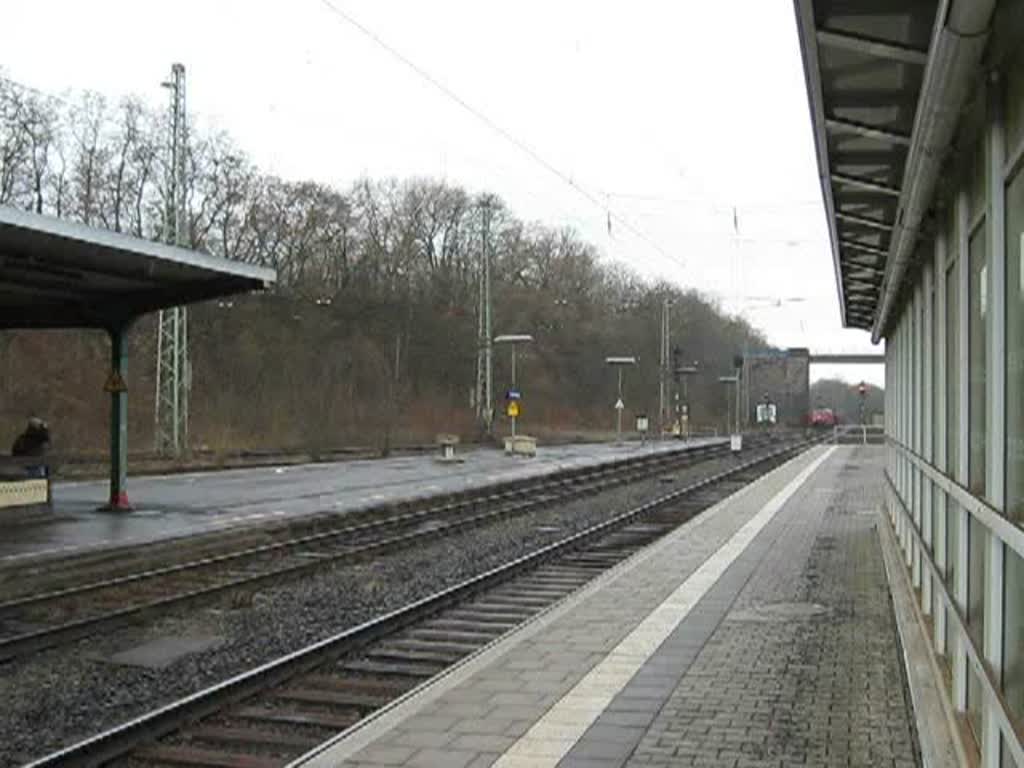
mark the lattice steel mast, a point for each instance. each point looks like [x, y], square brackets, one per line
[665, 367]
[173, 374]
[484, 352]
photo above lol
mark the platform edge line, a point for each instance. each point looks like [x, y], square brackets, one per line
[582, 707]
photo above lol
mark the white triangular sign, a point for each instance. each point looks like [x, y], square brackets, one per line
[619, 405]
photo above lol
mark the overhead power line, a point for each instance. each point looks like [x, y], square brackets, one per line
[718, 206]
[505, 134]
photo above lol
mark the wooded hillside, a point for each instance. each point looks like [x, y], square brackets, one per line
[844, 399]
[370, 333]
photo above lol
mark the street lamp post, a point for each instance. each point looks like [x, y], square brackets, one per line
[665, 363]
[619, 363]
[514, 339]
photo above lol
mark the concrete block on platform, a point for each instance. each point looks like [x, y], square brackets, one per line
[521, 445]
[24, 493]
[447, 443]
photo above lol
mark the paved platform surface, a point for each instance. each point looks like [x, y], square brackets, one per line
[759, 634]
[184, 504]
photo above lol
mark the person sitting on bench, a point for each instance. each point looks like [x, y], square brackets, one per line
[34, 441]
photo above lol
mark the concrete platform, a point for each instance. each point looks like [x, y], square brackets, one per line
[759, 634]
[172, 506]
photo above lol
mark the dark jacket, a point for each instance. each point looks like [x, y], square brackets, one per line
[32, 442]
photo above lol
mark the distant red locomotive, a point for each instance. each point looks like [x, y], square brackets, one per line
[823, 417]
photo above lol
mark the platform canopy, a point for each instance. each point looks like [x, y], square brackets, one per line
[865, 63]
[60, 274]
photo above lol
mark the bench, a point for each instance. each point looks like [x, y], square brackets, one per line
[24, 483]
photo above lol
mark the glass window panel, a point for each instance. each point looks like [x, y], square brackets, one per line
[1007, 759]
[979, 180]
[1015, 104]
[974, 702]
[1013, 637]
[952, 543]
[914, 501]
[1015, 348]
[952, 370]
[950, 639]
[933, 415]
[915, 390]
[978, 315]
[976, 581]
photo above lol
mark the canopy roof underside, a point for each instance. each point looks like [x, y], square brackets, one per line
[60, 274]
[864, 62]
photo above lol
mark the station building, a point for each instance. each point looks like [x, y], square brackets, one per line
[918, 115]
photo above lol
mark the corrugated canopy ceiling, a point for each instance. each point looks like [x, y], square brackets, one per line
[864, 62]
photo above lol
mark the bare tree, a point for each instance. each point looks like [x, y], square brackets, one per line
[88, 122]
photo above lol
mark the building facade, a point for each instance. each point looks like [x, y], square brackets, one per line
[783, 378]
[918, 112]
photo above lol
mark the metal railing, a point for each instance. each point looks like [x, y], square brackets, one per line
[858, 434]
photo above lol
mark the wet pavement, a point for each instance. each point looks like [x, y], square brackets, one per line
[171, 506]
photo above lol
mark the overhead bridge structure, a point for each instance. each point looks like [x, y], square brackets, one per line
[60, 274]
[918, 115]
[847, 359]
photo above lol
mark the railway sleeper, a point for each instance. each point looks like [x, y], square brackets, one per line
[346, 700]
[386, 668]
[245, 736]
[452, 649]
[469, 635]
[437, 659]
[177, 755]
[295, 716]
[445, 624]
[372, 686]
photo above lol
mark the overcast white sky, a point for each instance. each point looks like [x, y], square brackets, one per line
[673, 113]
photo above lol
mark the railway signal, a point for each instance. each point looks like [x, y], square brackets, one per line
[619, 362]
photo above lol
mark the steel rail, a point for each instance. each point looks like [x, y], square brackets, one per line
[120, 740]
[30, 642]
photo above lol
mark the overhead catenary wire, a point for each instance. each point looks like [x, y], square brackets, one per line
[505, 134]
[718, 206]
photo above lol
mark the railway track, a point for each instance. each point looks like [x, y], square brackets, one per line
[269, 716]
[34, 622]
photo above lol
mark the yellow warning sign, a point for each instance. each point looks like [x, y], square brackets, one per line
[115, 383]
[513, 408]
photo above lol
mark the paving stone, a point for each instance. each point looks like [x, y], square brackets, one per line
[484, 725]
[381, 754]
[577, 761]
[441, 758]
[484, 760]
[407, 738]
[808, 653]
[480, 742]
